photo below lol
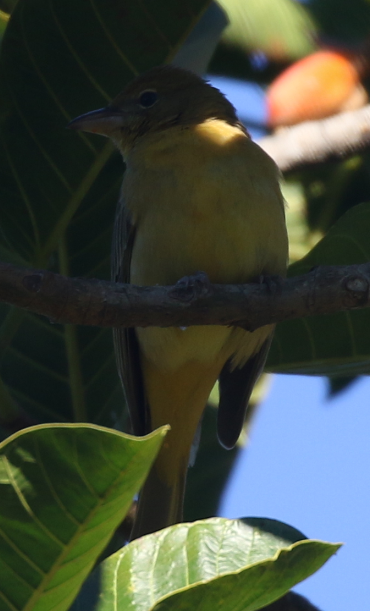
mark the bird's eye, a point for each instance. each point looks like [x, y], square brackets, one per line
[148, 98]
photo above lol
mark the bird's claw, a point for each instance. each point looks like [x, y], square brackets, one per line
[191, 287]
[273, 282]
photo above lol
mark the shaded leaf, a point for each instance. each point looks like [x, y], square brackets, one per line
[336, 385]
[337, 344]
[341, 24]
[60, 58]
[332, 189]
[7, 6]
[291, 602]
[4, 18]
[203, 565]
[64, 490]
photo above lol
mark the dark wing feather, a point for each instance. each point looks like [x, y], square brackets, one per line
[125, 341]
[235, 387]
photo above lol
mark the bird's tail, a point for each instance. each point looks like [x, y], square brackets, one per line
[160, 504]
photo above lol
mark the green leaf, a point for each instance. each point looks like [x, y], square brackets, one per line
[282, 29]
[337, 344]
[64, 490]
[61, 58]
[204, 564]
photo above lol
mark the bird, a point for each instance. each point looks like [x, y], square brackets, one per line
[198, 195]
[320, 85]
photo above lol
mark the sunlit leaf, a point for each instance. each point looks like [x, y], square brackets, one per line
[282, 29]
[64, 490]
[208, 565]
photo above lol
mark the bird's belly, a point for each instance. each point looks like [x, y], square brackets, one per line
[172, 347]
[191, 245]
[165, 250]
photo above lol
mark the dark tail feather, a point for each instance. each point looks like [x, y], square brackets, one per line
[235, 386]
[159, 505]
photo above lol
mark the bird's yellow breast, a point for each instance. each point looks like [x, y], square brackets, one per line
[205, 198]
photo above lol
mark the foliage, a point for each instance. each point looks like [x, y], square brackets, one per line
[336, 344]
[67, 487]
[201, 565]
[287, 34]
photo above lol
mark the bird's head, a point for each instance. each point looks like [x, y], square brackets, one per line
[160, 99]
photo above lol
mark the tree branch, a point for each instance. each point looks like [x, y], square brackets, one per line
[324, 290]
[316, 142]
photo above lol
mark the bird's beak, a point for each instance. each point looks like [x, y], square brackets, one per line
[102, 121]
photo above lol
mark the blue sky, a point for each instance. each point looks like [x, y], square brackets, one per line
[307, 464]
[308, 460]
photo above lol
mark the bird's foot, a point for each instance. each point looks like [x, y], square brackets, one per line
[192, 287]
[273, 283]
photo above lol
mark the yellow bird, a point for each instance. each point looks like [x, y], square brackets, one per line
[197, 194]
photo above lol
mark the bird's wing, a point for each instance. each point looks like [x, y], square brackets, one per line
[125, 341]
[235, 387]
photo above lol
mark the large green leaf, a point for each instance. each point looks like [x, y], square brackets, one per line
[282, 29]
[338, 344]
[60, 58]
[64, 490]
[208, 565]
